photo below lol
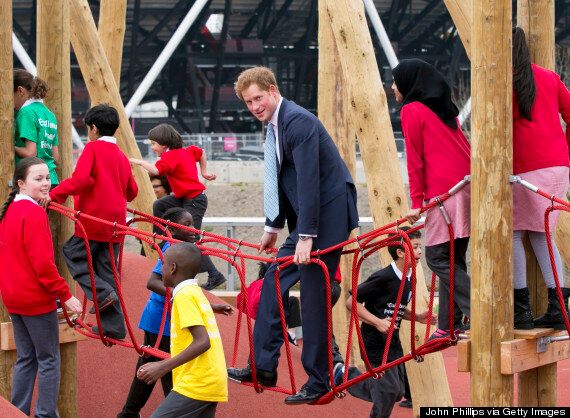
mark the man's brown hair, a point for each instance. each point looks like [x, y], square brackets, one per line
[262, 76]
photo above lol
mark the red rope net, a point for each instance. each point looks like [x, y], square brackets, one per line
[363, 245]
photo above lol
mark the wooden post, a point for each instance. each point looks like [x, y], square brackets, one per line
[491, 201]
[112, 23]
[333, 108]
[461, 12]
[371, 121]
[537, 387]
[53, 62]
[7, 358]
[103, 89]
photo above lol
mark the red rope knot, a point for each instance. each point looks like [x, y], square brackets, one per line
[144, 353]
[419, 358]
[259, 389]
[318, 254]
[166, 227]
[154, 237]
[236, 251]
[357, 240]
[377, 375]
[340, 394]
[107, 343]
[77, 214]
[443, 211]
[114, 229]
[552, 197]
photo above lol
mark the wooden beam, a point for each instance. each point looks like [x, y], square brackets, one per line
[333, 108]
[112, 23]
[66, 335]
[491, 201]
[464, 346]
[53, 62]
[370, 118]
[102, 88]
[461, 12]
[520, 355]
[7, 359]
[537, 387]
[464, 356]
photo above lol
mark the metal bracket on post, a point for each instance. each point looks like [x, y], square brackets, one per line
[542, 342]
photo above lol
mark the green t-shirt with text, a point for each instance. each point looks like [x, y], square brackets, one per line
[36, 123]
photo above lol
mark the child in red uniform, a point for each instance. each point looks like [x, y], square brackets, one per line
[540, 156]
[178, 164]
[30, 284]
[104, 183]
[438, 157]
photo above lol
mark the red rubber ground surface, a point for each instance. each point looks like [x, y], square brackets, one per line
[104, 374]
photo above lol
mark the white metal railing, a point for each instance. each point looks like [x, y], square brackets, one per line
[227, 146]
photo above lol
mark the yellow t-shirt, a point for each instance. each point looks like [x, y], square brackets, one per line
[205, 377]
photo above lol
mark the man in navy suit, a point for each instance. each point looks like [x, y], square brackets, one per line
[317, 198]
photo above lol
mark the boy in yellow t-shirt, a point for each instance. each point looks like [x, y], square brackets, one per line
[198, 366]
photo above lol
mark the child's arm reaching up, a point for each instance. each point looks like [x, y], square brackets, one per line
[204, 167]
[151, 168]
[151, 372]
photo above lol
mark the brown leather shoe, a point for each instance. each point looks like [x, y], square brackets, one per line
[107, 303]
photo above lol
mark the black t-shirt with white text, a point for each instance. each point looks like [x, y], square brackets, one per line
[378, 294]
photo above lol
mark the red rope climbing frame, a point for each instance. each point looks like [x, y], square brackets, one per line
[365, 245]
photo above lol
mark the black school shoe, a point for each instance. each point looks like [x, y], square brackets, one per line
[214, 280]
[107, 302]
[95, 330]
[305, 395]
[264, 378]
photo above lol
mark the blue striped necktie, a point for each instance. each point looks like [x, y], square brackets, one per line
[270, 188]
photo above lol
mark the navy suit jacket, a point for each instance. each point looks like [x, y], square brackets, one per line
[312, 178]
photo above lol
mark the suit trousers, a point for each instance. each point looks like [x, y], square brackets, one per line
[268, 334]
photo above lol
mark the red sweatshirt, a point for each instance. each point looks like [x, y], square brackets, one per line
[541, 142]
[438, 157]
[104, 183]
[29, 281]
[179, 167]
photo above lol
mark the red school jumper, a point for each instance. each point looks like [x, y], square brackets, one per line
[179, 167]
[29, 281]
[104, 183]
[541, 142]
[438, 157]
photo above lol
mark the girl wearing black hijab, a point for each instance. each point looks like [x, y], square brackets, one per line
[438, 157]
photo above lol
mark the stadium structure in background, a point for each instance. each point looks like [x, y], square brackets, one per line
[194, 91]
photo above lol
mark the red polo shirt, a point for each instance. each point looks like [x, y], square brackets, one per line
[179, 167]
